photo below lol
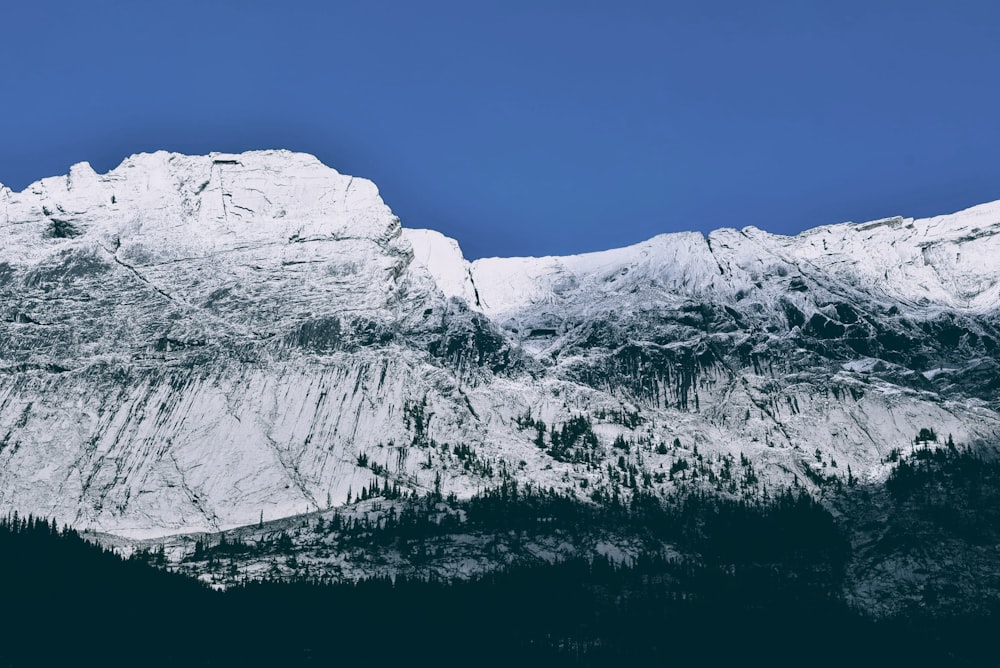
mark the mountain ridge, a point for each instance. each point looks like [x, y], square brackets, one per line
[191, 342]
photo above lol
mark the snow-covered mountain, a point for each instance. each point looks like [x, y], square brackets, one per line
[191, 342]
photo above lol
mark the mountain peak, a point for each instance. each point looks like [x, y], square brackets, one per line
[187, 203]
[189, 340]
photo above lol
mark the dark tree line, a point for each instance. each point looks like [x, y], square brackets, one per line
[761, 583]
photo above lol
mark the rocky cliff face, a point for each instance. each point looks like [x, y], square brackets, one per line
[190, 342]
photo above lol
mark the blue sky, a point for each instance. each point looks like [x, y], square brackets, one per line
[529, 128]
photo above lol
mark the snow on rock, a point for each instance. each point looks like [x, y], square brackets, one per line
[443, 258]
[188, 342]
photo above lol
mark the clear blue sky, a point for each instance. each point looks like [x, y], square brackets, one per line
[533, 127]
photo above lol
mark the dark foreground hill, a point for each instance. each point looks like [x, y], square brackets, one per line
[766, 588]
